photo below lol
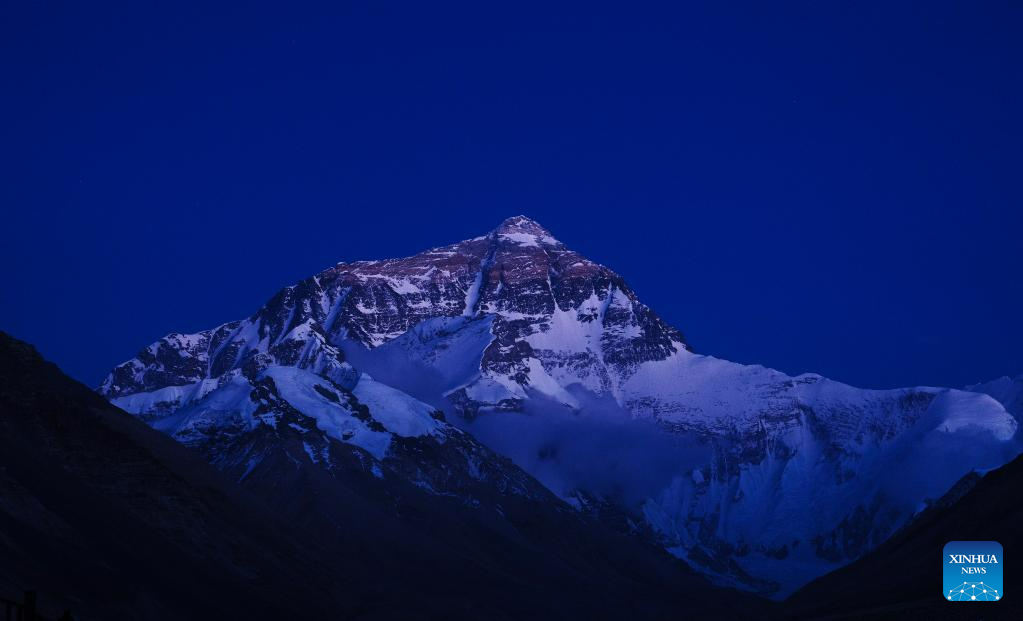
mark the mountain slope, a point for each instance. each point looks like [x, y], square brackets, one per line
[908, 564]
[552, 360]
[1007, 390]
[112, 520]
[519, 277]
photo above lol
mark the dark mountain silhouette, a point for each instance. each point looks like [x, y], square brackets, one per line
[902, 578]
[111, 519]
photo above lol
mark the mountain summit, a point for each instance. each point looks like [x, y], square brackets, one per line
[524, 225]
[513, 288]
[435, 365]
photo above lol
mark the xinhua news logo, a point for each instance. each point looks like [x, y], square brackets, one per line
[972, 571]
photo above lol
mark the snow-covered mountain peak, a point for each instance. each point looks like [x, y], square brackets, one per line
[524, 231]
[521, 222]
[553, 360]
[1007, 390]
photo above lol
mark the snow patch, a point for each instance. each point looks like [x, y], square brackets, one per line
[398, 412]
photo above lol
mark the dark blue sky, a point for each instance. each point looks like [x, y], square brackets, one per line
[823, 186]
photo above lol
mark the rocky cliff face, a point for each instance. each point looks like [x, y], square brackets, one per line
[520, 279]
[759, 479]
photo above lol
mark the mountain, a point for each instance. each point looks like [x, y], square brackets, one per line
[1006, 390]
[433, 368]
[901, 578]
[110, 519]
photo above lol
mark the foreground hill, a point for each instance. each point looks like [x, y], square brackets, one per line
[902, 578]
[111, 519]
